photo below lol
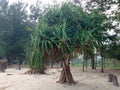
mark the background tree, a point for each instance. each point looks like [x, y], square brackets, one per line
[105, 7]
[18, 18]
[13, 30]
[36, 11]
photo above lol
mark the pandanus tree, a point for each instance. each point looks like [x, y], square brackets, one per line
[60, 32]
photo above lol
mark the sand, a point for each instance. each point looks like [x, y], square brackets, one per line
[13, 79]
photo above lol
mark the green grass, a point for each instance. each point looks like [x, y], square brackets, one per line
[110, 66]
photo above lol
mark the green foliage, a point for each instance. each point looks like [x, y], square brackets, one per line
[114, 51]
[60, 31]
[13, 36]
[34, 52]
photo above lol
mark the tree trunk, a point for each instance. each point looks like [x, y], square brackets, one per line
[83, 61]
[66, 76]
[61, 64]
[110, 77]
[92, 62]
[104, 62]
[115, 81]
[19, 63]
[19, 68]
[86, 63]
[51, 64]
[102, 65]
[95, 61]
[83, 65]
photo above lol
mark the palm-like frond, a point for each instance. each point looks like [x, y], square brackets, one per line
[62, 30]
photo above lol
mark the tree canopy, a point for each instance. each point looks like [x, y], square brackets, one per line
[62, 30]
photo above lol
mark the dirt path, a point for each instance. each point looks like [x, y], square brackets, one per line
[14, 79]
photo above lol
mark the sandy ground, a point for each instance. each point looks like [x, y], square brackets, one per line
[14, 79]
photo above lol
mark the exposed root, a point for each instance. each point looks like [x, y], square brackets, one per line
[66, 76]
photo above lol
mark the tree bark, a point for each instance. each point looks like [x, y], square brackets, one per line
[86, 63]
[51, 64]
[83, 61]
[102, 65]
[115, 81]
[19, 63]
[83, 66]
[92, 62]
[96, 61]
[104, 61]
[61, 64]
[110, 77]
[66, 76]
[113, 78]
